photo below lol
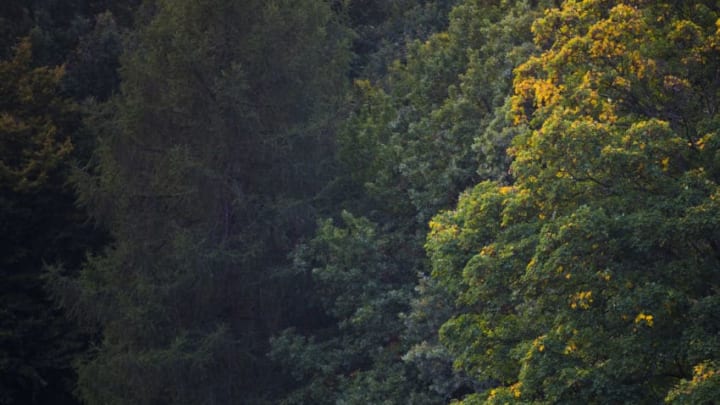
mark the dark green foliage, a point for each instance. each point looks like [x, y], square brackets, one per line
[356, 357]
[41, 139]
[267, 222]
[15, 21]
[202, 174]
[38, 224]
[407, 151]
[383, 29]
[55, 26]
[93, 66]
[442, 110]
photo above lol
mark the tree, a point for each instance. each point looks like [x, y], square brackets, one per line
[591, 278]
[203, 171]
[352, 357]
[383, 28]
[406, 150]
[40, 224]
[42, 138]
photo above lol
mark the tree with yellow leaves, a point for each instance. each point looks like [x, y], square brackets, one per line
[595, 277]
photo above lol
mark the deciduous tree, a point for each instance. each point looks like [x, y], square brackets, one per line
[592, 277]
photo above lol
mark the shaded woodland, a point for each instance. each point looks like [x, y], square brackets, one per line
[359, 202]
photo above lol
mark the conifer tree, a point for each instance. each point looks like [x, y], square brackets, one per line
[38, 224]
[202, 174]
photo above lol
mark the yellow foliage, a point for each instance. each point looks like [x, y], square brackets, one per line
[538, 344]
[515, 389]
[665, 163]
[546, 92]
[607, 113]
[675, 84]
[621, 82]
[702, 372]
[570, 348]
[506, 190]
[488, 250]
[493, 394]
[437, 227]
[644, 318]
[581, 300]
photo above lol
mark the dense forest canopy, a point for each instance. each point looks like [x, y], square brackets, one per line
[359, 202]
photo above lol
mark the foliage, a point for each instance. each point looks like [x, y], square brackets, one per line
[32, 112]
[439, 113]
[406, 150]
[356, 357]
[704, 388]
[382, 29]
[585, 280]
[202, 174]
[269, 222]
[42, 138]
[38, 224]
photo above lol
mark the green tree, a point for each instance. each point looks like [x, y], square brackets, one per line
[382, 29]
[592, 278]
[41, 138]
[38, 224]
[406, 150]
[354, 356]
[203, 171]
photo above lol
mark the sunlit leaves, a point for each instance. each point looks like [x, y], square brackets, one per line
[612, 221]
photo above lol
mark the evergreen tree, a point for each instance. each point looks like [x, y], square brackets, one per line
[205, 163]
[38, 224]
[41, 138]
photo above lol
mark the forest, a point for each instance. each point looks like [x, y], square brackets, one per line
[359, 202]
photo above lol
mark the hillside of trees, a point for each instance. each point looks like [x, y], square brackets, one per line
[359, 202]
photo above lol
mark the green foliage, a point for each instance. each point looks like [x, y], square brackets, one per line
[354, 358]
[382, 29]
[55, 27]
[38, 224]
[406, 151]
[93, 66]
[204, 167]
[40, 139]
[442, 111]
[578, 267]
[586, 280]
[704, 388]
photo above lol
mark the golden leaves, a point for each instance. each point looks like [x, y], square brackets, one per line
[702, 372]
[581, 300]
[646, 319]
